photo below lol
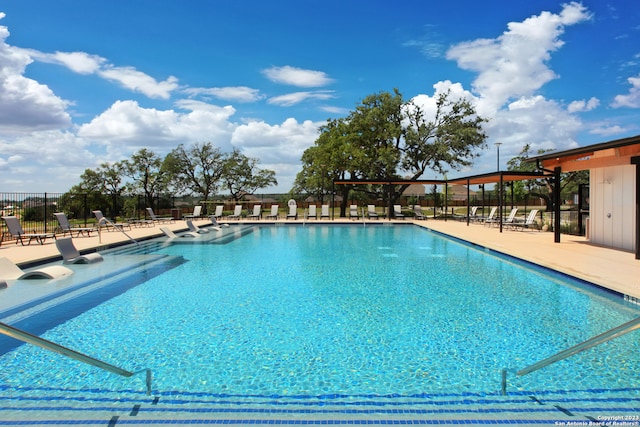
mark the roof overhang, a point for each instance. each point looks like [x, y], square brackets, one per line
[606, 154]
[488, 178]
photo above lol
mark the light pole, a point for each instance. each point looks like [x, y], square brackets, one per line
[498, 144]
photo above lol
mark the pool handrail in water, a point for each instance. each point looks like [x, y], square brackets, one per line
[57, 348]
[616, 332]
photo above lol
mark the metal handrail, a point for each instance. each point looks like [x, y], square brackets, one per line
[57, 348]
[592, 342]
[616, 332]
[115, 226]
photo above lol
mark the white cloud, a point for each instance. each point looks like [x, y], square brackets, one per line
[582, 105]
[78, 62]
[632, 99]
[514, 64]
[608, 130]
[297, 76]
[230, 93]
[297, 97]
[137, 81]
[26, 104]
[127, 122]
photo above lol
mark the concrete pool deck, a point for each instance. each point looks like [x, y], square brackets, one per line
[574, 255]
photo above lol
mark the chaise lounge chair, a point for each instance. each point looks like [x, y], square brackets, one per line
[16, 231]
[237, 212]
[197, 212]
[159, 219]
[353, 212]
[397, 211]
[293, 211]
[214, 222]
[417, 212]
[324, 212]
[529, 222]
[274, 212]
[218, 212]
[65, 226]
[371, 212]
[195, 229]
[257, 212]
[71, 255]
[171, 235]
[10, 271]
[313, 212]
[491, 218]
[104, 222]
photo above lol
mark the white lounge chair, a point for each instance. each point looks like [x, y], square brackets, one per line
[159, 219]
[197, 212]
[104, 222]
[324, 212]
[215, 223]
[397, 211]
[371, 212]
[353, 212]
[237, 212]
[313, 212]
[71, 255]
[257, 212]
[491, 218]
[274, 212]
[65, 226]
[293, 211]
[171, 235]
[417, 212]
[529, 222]
[195, 229]
[218, 212]
[16, 231]
[10, 271]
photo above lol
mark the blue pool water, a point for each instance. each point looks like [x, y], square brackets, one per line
[349, 310]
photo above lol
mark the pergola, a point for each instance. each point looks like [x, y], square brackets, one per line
[625, 151]
[499, 178]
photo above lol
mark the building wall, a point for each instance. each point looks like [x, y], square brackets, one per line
[612, 207]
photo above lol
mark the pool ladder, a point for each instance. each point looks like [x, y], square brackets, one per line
[57, 348]
[616, 332]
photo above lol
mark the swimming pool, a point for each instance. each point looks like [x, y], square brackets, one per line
[326, 310]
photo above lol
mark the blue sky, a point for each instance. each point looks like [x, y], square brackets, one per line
[86, 82]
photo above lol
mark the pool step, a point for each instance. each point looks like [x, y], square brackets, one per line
[100, 407]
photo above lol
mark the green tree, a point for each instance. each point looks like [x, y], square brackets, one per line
[543, 188]
[101, 188]
[146, 174]
[242, 175]
[386, 137]
[198, 169]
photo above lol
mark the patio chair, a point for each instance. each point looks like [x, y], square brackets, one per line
[353, 212]
[159, 219]
[313, 212]
[274, 212]
[197, 212]
[215, 224]
[218, 212]
[491, 218]
[10, 271]
[15, 230]
[257, 212]
[511, 218]
[237, 212]
[65, 226]
[293, 210]
[71, 255]
[171, 235]
[110, 225]
[324, 212]
[417, 212]
[397, 211]
[194, 228]
[371, 212]
[529, 222]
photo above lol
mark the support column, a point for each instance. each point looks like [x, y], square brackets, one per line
[636, 161]
[556, 204]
